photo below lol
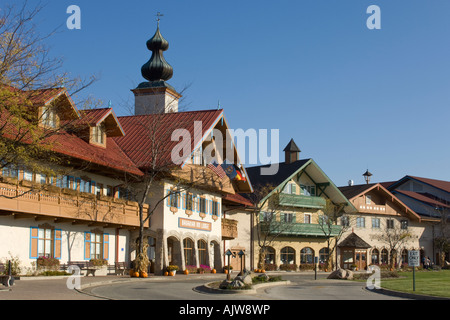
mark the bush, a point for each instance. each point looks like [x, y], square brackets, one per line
[98, 262]
[47, 263]
[306, 266]
[288, 267]
[270, 267]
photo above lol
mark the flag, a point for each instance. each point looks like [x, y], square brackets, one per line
[229, 170]
[217, 169]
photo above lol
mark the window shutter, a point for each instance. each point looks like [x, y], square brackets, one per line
[87, 245]
[106, 246]
[168, 198]
[282, 217]
[183, 200]
[58, 238]
[34, 242]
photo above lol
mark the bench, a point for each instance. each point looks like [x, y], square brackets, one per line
[84, 265]
[120, 268]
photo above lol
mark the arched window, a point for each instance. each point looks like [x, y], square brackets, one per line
[384, 256]
[202, 253]
[189, 252]
[270, 255]
[375, 256]
[287, 255]
[307, 255]
[404, 256]
[323, 255]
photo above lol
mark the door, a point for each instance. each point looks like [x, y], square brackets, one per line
[361, 259]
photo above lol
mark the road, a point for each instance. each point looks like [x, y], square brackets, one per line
[302, 287]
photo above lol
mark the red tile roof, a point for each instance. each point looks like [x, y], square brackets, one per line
[141, 132]
[424, 198]
[440, 184]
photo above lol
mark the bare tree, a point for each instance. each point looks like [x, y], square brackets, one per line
[328, 223]
[442, 234]
[394, 236]
[29, 77]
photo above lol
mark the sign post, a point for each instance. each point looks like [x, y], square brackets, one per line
[316, 261]
[414, 261]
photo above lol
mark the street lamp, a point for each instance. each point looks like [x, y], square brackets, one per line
[367, 176]
[228, 253]
[241, 255]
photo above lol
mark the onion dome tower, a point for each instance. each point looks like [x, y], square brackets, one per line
[155, 95]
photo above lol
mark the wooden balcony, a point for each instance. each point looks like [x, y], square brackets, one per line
[63, 205]
[229, 229]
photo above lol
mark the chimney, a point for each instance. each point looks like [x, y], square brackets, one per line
[291, 152]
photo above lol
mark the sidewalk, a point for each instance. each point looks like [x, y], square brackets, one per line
[55, 288]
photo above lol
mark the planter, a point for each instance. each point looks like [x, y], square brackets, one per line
[101, 271]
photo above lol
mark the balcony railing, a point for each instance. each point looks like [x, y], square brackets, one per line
[71, 205]
[301, 229]
[229, 229]
[302, 201]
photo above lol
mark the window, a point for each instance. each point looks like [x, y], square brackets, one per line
[27, 175]
[360, 222]
[45, 242]
[404, 256]
[323, 219]
[174, 199]
[287, 217]
[287, 255]
[189, 202]
[189, 252]
[390, 223]
[202, 252]
[384, 256]
[215, 208]
[96, 246]
[98, 134]
[307, 218]
[202, 205]
[10, 171]
[323, 255]
[375, 256]
[404, 224]
[345, 221]
[375, 223]
[266, 216]
[308, 190]
[368, 199]
[49, 118]
[124, 193]
[307, 255]
[270, 255]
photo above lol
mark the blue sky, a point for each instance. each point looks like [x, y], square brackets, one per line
[352, 98]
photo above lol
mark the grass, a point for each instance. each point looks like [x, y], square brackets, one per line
[431, 283]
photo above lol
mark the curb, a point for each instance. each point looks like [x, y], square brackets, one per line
[208, 289]
[405, 295]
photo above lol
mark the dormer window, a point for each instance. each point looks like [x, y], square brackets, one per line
[49, 118]
[98, 134]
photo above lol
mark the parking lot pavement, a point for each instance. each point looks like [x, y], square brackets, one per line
[56, 288]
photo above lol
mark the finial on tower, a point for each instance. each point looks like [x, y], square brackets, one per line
[157, 68]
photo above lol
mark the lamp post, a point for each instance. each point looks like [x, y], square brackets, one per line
[241, 255]
[367, 176]
[228, 253]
